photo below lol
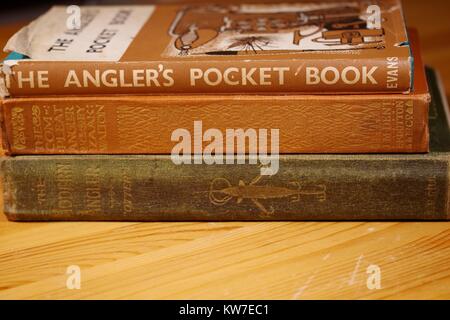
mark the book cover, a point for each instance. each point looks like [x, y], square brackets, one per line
[118, 124]
[313, 46]
[306, 187]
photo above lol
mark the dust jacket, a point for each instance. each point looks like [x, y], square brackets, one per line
[352, 46]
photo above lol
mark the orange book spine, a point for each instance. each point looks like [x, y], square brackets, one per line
[380, 75]
[144, 124]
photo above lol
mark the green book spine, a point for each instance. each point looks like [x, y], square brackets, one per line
[153, 188]
[307, 187]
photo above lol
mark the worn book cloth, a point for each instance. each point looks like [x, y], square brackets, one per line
[307, 187]
[121, 124]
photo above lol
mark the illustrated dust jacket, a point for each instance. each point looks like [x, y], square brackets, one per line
[353, 46]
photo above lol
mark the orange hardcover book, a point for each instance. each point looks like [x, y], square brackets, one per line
[315, 47]
[369, 123]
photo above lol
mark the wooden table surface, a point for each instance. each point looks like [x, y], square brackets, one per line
[238, 260]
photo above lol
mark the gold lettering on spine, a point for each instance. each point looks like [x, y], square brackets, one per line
[96, 127]
[69, 128]
[409, 123]
[18, 129]
[41, 191]
[81, 128]
[59, 127]
[93, 195]
[403, 125]
[127, 192]
[101, 129]
[38, 130]
[397, 124]
[64, 187]
[431, 192]
[49, 134]
[91, 127]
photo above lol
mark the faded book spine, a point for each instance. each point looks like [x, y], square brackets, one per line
[152, 188]
[348, 75]
[144, 125]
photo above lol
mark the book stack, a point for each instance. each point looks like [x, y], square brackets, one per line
[315, 110]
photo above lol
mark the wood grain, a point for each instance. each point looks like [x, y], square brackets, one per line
[276, 260]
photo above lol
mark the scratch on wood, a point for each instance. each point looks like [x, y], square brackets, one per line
[302, 289]
[355, 270]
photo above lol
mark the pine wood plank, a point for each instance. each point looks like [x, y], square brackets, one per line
[265, 261]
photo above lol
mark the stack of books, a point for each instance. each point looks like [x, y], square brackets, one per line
[314, 110]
